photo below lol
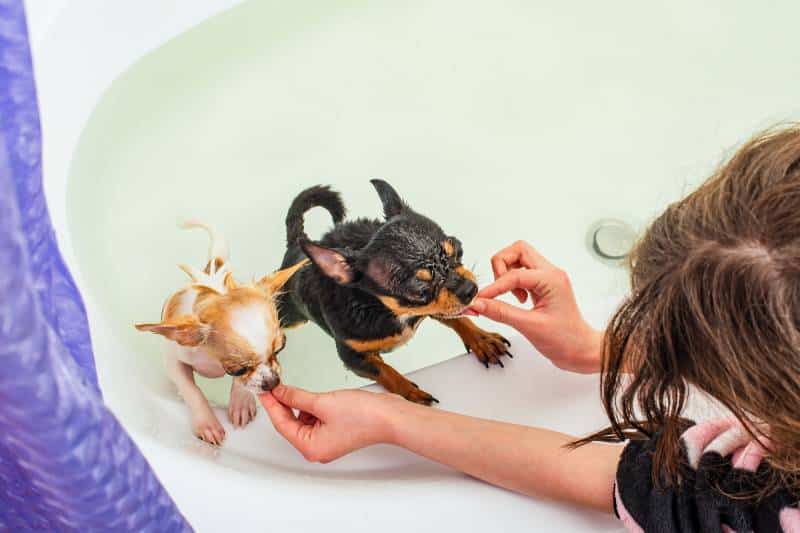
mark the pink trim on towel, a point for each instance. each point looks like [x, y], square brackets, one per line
[749, 457]
[726, 437]
[790, 520]
[626, 518]
[698, 437]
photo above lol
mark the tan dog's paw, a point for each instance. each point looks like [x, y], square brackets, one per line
[207, 428]
[488, 347]
[241, 407]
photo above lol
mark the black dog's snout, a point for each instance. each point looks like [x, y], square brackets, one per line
[466, 291]
[270, 383]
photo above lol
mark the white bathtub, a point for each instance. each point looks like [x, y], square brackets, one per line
[573, 113]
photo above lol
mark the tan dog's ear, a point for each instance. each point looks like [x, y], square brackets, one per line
[275, 281]
[194, 274]
[204, 291]
[185, 330]
[229, 282]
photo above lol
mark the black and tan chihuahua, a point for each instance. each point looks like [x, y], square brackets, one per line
[373, 282]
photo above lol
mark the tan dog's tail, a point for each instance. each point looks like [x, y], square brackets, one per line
[217, 248]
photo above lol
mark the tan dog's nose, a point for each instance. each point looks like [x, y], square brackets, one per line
[270, 383]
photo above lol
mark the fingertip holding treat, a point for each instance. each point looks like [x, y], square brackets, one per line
[477, 307]
[267, 399]
[276, 392]
[482, 292]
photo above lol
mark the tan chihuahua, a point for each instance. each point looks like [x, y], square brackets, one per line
[216, 326]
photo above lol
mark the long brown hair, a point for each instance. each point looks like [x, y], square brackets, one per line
[715, 303]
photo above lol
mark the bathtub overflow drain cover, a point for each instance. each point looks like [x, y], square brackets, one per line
[611, 240]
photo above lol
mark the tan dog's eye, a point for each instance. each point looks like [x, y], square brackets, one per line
[238, 372]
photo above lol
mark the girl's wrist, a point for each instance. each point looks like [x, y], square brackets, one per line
[396, 419]
[387, 418]
[591, 356]
[596, 347]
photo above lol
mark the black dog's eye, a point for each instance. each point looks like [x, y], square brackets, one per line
[237, 372]
[418, 294]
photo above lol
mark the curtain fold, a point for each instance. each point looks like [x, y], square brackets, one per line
[66, 464]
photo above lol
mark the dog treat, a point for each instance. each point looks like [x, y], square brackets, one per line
[373, 282]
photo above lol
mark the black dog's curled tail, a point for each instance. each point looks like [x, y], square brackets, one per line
[317, 196]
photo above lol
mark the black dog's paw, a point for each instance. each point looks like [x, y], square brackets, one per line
[488, 347]
[420, 396]
[417, 395]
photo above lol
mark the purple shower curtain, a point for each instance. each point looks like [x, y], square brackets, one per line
[66, 464]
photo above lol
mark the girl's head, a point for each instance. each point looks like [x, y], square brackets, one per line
[715, 303]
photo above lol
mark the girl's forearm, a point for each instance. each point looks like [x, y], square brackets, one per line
[528, 460]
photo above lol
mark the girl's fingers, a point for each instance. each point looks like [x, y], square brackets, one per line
[282, 418]
[500, 268]
[518, 255]
[306, 418]
[524, 280]
[502, 312]
[297, 398]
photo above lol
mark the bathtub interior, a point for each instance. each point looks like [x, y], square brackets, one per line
[501, 122]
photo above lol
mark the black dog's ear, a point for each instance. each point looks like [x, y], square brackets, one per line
[392, 203]
[332, 262]
[380, 272]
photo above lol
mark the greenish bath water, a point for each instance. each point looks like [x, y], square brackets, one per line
[501, 121]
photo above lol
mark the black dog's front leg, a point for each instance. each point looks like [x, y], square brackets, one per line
[372, 366]
[488, 347]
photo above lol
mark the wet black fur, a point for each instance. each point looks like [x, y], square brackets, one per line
[376, 258]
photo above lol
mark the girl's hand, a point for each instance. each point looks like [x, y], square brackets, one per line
[554, 324]
[529, 460]
[332, 424]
